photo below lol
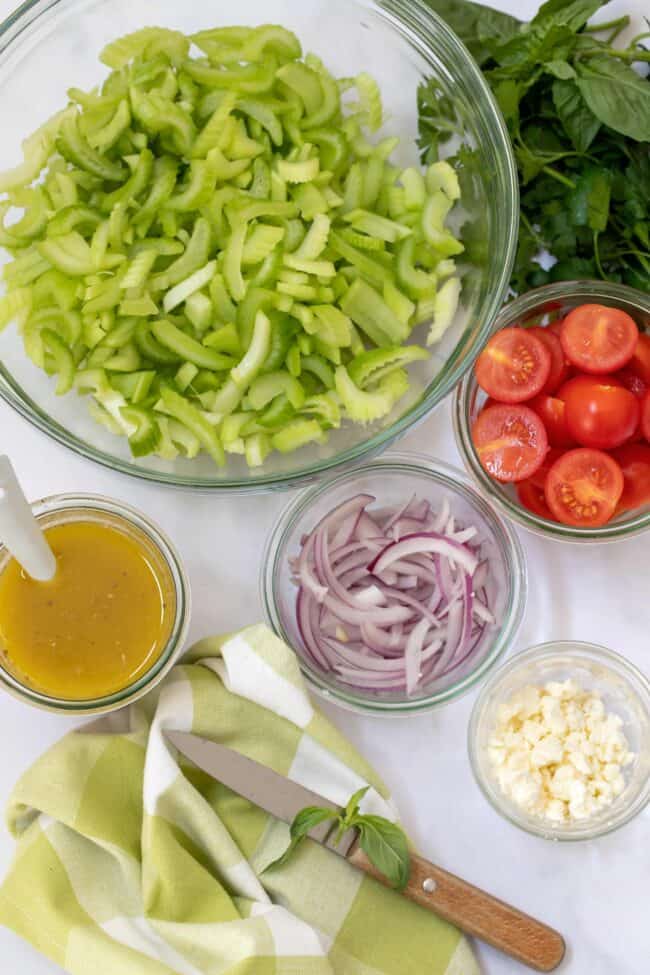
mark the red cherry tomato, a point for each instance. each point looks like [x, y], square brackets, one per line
[553, 414]
[532, 497]
[599, 339]
[598, 412]
[634, 461]
[640, 361]
[645, 416]
[514, 366]
[631, 381]
[559, 366]
[583, 488]
[511, 441]
[539, 477]
[556, 326]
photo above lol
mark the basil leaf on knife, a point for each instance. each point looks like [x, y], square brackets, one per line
[305, 821]
[384, 843]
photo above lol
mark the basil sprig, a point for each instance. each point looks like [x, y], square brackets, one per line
[383, 842]
[578, 115]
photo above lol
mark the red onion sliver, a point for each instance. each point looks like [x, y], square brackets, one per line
[425, 542]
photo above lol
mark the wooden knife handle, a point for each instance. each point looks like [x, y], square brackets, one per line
[475, 912]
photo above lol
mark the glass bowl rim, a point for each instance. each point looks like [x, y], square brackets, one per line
[429, 28]
[523, 304]
[574, 649]
[503, 533]
[57, 503]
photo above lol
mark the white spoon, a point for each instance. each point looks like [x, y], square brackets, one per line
[19, 529]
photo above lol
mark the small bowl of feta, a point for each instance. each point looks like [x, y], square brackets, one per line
[559, 740]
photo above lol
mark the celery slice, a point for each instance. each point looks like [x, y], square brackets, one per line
[188, 415]
[369, 311]
[188, 349]
[365, 407]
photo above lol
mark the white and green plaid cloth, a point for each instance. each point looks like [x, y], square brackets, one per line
[128, 864]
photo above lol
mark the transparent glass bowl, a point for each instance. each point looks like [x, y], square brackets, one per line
[392, 480]
[539, 307]
[400, 42]
[166, 562]
[625, 691]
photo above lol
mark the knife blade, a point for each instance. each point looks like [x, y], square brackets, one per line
[261, 785]
[472, 910]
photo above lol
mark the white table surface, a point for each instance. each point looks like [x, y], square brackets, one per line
[596, 893]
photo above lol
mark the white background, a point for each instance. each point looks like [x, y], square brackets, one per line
[596, 893]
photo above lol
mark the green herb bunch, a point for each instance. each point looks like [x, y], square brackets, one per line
[383, 842]
[578, 114]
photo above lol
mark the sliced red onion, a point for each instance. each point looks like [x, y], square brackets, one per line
[454, 552]
[374, 586]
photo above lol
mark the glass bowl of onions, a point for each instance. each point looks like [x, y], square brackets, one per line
[396, 583]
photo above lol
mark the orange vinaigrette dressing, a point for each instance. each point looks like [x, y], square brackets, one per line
[98, 626]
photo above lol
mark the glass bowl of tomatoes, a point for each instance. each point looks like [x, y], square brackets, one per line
[553, 423]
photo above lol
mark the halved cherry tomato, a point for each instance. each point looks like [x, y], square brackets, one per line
[511, 441]
[645, 416]
[599, 339]
[539, 477]
[583, 487]
[553, 414]
[599, 413]
[556, 326]
[559, 366]
[532, 497]
[514, 366]
[632, 381]
[634, 461]
[640, 361]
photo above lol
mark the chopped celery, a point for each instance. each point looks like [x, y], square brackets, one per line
[189, 349]
[369, 311]
[219, 250]
[190, 416]
[364, 407]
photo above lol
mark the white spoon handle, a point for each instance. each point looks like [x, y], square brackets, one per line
[19, 529]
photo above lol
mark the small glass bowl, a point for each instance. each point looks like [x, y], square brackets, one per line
[63, 508]
[393, 479]
[625, 691]
[540, 307]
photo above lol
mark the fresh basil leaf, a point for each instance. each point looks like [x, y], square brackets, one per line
[480, 28]
[617, 95]
[590, 199]
[495, 27]
[385, 845]
[304, 822]
[508, 95]
[560, 69]
[578, 121]
[574, 14]
[352, 807]
[534, 46]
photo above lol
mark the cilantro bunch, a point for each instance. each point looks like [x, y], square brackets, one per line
[578, 114]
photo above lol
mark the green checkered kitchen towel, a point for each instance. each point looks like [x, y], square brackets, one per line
[128, 864]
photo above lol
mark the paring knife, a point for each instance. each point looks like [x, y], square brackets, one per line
[470, 909]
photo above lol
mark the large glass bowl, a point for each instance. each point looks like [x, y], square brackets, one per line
[48, 46]
[539, 307]
[393, 479]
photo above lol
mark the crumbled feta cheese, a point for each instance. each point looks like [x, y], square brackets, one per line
[557, 753]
